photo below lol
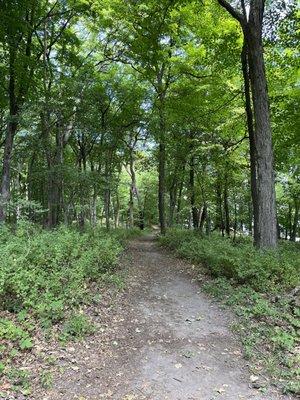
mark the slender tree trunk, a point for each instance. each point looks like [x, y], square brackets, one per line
[290, 222]
[173, 197]
[295, 222]
[219, 216]
[194, 210]
[94, 208]
[107, 195]
[235, 220]
[208, 223]
[226, 205]
[179, 198]
[253, 153]
[203, 217]
[161, 185]
[134, 193]
[130, 208]
[161, 91]
[117, 210]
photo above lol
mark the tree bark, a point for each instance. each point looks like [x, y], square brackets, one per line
[202, 218]
[161, 186]
[253, 153]
[266, 222]
[107, 194]
[219, 217]
[295, 221]
[265, 184]
[12, 127]
[226, 205]
[194, 210]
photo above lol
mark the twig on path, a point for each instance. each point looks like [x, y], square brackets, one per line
[176, 379]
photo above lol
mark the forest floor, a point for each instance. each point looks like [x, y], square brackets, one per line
[160, 338]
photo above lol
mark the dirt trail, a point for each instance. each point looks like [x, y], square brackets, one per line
[163, 339]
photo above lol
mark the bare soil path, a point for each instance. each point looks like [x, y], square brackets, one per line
[162, 339]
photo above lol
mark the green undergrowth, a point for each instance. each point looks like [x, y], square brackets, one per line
[260, 287]
[45, 280]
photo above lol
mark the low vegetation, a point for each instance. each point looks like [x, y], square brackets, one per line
[262, 289]
[45, 280]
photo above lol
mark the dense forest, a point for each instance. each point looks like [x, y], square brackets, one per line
[99, 101]
[119, 117]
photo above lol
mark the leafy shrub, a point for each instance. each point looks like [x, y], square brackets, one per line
[76, 326]
[262, 270]
[46, 271]
[10, 331]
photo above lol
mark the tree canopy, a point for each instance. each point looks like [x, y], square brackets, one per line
[142, 113]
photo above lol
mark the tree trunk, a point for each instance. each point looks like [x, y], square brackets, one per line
[235, 220]
[6, 167]
[117, 211]
[250, 127]
[130, 208]
[265, 184]
[266, 222]
[226, 205]
[12, 127]
[295, 222]
[194, 210]
[161, 185]
[107, 194]
[134, 192]
[161, 91]
[173, 198]
[203, 217]
[179, 198]
[219, 216]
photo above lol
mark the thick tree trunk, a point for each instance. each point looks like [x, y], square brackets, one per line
[266, 222]
[12, 127]
[265, 183]
[6, 166]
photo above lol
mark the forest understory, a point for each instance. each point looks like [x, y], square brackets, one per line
[150, 328]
